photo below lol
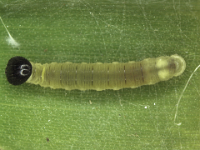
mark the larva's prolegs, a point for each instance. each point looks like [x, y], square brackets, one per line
[179, 64]
[95, 76]
[170, 66]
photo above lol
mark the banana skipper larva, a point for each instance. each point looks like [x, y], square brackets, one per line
[94, 76]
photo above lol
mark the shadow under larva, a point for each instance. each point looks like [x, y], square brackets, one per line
[94, 76]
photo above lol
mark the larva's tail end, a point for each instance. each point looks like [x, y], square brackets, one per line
[18, 70]
[180, 64]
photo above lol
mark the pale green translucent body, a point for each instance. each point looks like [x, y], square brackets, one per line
[101, 76]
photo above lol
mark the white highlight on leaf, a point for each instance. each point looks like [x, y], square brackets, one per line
[176, 113]
[10, 40]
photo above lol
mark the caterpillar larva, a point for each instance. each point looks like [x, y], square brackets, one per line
[95, 76]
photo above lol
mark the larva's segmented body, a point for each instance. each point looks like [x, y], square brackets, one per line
[101, 76]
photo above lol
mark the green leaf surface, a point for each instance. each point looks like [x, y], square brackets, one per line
[33, 117]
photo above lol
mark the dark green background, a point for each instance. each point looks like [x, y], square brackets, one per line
[100, 31]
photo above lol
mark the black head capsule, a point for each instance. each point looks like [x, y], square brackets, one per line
[18, 70]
